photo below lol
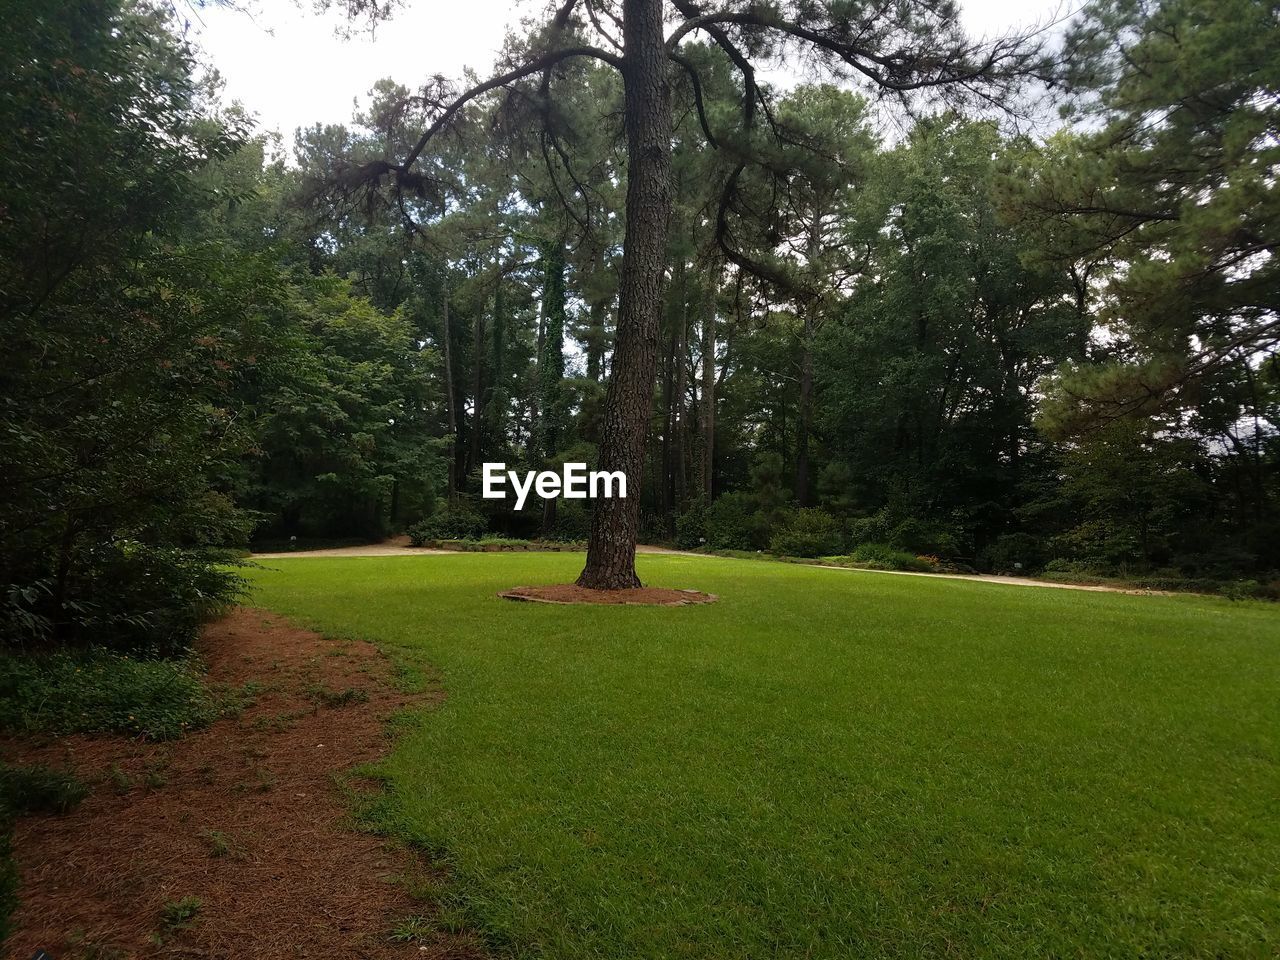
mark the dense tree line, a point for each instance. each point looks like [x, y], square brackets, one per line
[1000, 351]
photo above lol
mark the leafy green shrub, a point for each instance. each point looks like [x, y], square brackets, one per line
[100, 691]
[691, 526]
[903, 531]
[884, 557]
[807, 532]
[1014, 553]
[38, 789]
[573, 522]
[917, 535]
[456, 521]
[873, 529]
[128, 596]
[734, 523]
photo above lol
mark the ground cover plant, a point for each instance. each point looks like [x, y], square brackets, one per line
[96, 691]
[826, 763]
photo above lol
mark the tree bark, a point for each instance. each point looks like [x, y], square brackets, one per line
[805, 417]
[615, 522]
[813, 248]
[477, 390]
[709, 396]
[681, 386]
[595, 339]
[450, 399]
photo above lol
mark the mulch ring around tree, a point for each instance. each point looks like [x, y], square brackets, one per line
[572, 593]
[246, 821]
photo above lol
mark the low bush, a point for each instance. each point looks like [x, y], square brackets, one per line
[125, 595]
[38, 789]
[1014, 553]
[100, 691]
[735, 523]
[691, 526]
[881, 556]
[573, 522]
[807, 532]
[906, 532]
[456, 521]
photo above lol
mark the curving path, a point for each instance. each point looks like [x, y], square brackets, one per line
[399, 547]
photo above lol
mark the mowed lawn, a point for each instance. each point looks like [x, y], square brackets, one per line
[827, 763]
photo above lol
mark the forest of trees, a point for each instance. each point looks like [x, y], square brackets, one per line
[889, 323]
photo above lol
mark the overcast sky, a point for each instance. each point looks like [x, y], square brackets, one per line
[287, 66]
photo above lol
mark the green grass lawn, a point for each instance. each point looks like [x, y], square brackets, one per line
[828, 763]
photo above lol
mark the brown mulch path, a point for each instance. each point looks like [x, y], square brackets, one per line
[246, 815]
[572, 593]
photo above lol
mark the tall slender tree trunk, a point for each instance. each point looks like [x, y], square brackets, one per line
[496, 401]
[681, 385]
[477, 398]
[813, 248]
[595, 339]
[666, 476]
[709, 396]
[450, 398]
[551, 368]
[805, 414]
[615, 522]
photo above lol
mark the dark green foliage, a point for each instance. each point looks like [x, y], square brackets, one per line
[37, 789]
[95, 691]
[342, 448]
[126, 329]
[735, 522]
[902, 530]
[691, 526]
[807, 532]
[1014, 553]
[456, 521]
[573, 523]
[885, 557]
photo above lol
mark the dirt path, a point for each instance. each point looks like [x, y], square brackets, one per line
[399, 547]
[395, 547]
[247, 816]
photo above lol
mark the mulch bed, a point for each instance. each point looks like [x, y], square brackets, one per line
[246, 815]
[572, 593]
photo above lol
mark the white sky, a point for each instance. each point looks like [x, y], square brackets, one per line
[286, 64]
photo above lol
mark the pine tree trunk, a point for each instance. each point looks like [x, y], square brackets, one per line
[806, 408]
[595, 339]
[477, 391]
[681, 385]
[805, 414]
[615, 522]
[450, 399]
[666, 476]
[708, 397]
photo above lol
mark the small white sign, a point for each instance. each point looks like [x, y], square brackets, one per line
[573, 483]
